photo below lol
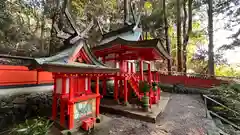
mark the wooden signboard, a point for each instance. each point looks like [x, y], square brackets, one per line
[84, 108]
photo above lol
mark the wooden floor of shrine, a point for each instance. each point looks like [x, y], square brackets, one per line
[133, 111]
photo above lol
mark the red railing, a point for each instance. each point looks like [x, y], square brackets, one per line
[190, 81]
[20, 75]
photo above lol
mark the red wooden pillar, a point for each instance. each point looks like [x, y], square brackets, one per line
[126, 66]
[98, 98]
[70, 104]
[120, 63]
[121, 66]
[141, 70]
[89, 84]
[54, 100]
[116, 88]
[115, 60]
[116, 80]
[131, 67]
[62, 107]
[71, 115]
[159, 90]
[149, 73]
[71, 89]
[150, 82]
[104, 85]
[125, 91]
[155, 76]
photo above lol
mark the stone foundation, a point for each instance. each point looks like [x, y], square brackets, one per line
[14, 109]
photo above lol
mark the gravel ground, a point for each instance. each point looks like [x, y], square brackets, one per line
[184, 115]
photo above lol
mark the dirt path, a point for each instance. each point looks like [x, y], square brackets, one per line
[184, 115]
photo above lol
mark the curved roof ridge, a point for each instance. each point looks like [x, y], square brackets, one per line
[153, 43]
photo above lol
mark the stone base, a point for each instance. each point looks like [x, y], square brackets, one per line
[126, 104]
[137, 113]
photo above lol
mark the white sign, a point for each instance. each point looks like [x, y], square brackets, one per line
[82, 109]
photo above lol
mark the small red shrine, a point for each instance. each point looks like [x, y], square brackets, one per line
[73, 71]
[123, 49]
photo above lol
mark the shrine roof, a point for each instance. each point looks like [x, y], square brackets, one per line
[133, 34]
[153, 43]
[62, 62]
[76, 67]
[119, 31]
[59, 57]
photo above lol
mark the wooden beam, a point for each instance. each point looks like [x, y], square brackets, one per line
[70, 19]
[126, 56]
[15, 57]
[148, 62]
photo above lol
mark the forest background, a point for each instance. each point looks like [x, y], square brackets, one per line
[183, 25]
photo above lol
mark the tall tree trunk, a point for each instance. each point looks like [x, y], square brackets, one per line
[42, 30]
[42, 34]
[189, 31]
[210, 45]
[184, 35]
[61, 18]
[179, 39]
[53, 33]
[126, 11]
[166, 36]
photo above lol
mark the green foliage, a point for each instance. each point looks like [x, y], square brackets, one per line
[39, 126]
[229, 95]
[105, 11]
[179, 88]
[197, 38]
[144, 86]
[148, 5]
[165, 87]
[152, 21]
[227, 90]
[154, 86]
[25, 27]
[225, 70]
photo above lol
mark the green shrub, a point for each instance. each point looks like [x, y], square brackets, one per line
[39, 126]
[154, 86]
[144, 86]
[179, 88]
[165, 87]
[229, 95]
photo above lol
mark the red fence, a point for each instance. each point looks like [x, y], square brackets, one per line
[188, 81]
[20, 75]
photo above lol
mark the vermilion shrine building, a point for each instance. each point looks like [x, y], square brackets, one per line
[73, 70]
[122, 49]
[76, 67]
